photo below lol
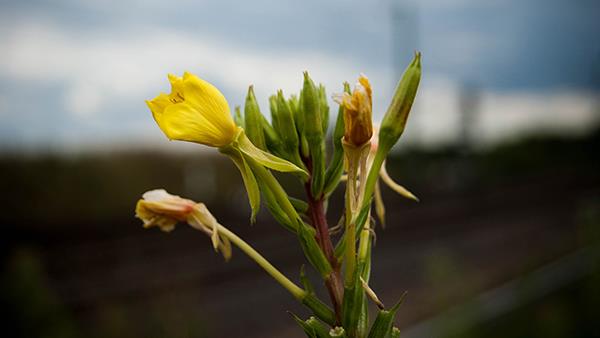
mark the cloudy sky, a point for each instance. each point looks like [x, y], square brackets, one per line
[76, 73]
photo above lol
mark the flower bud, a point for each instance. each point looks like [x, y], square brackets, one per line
[285, 124]
[253, 120]
[310, 107]
[395, 118]
[358, 106]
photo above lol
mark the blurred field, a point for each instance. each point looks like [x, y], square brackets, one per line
[504, 243]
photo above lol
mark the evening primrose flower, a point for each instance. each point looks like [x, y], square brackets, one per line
[194, 111]
[358, 107]
[161, 209]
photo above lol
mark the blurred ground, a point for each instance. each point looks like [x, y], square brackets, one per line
[504, 243]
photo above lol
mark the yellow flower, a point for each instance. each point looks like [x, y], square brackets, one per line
[159, 208]
[194, 111]
[358, 106]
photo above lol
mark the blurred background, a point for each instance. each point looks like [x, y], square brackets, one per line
[501, 147]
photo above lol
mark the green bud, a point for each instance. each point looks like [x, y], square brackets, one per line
[273, 108]
[310, 106]
[237, 117]
[324, 108]
[336, 167]
[253, 124]
[395, 333]
[382, 327]
[296, 108]
[272, 140]
[337, 332]
[312, 327]
[286, 126]
[395, 118]
[310, 103]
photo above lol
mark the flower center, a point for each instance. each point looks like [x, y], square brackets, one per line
[176, 97]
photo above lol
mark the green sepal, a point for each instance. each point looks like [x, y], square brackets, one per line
[264, 158]
[336, 166]
[337, 332]
[382, 327]
[248, 177]
[253, 119]
[395, 333]
[319, 309]
[313, 251]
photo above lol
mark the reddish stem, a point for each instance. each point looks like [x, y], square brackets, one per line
[334, 286]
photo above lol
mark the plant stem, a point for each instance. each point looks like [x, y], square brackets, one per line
[318, 219]
[295, 290]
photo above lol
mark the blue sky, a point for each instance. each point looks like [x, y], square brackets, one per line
[76, 73]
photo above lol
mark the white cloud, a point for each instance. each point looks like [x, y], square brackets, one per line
[98, 70]
[114, 71]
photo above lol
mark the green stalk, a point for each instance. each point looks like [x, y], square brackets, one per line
[295, 290]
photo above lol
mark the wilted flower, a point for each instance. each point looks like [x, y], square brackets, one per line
[194, 111]
[159, 208]
[358, 106]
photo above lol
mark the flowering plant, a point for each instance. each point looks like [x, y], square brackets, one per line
[294, 142]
